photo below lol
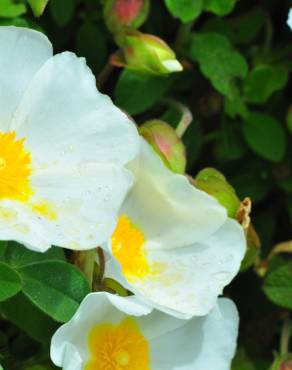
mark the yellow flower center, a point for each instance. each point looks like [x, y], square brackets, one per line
[127, 247]
[118, 347]
[15, 162]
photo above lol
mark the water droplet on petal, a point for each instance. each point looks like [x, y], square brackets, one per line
[222, 275]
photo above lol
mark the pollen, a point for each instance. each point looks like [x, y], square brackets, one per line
[118, 347]
[46, 210]
[15, 168]
[127, 246]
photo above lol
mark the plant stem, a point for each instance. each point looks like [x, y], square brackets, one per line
[187, 116]
[85, 261]
[101, 259]
[104, 75]
[182, 34]
[285, 336]
[185, 121]
[269, 34]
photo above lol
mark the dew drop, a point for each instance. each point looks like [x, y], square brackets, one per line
[222, 275]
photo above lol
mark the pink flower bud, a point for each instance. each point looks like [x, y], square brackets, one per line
[125, 13]
[146, 53]
[164, 140]
[286, 365]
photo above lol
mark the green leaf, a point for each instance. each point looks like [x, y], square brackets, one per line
[278, 287]
[185, 10]
[38, 6]
[11, 8]
[56, 287]
[245, 28]
[235, 107]
[29, 318]
[231, 145]
[263, 81]
[265, 135]
[17, 22]
[91, 44]
[241, 29]
[242, 362]
[3, 246]
[219, 62]
[10, 282]
[136, 92]
[220, 7]
[62, 11]
[251, 180]
[16, 255]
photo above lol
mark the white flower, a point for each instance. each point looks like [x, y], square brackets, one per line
[63, 147]
[289, 20]
[115, 333]
[174, 245]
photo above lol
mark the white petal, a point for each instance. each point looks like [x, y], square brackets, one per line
[95, 308]
[188, 281]
[23, 52]
[79, 142]
[72, 359]
[19, 223]
[129, 305]
[289, 21]
[166, 207]
[172, 65]
[202, 343]
[65, 120]
[85, 201]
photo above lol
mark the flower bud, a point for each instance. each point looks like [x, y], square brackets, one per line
[286, 365]
[125, 13]
[283, 362]
[38, 6]
[215, 184]
[114, 287]
[253, 245]
[164, 140]
[146, 53]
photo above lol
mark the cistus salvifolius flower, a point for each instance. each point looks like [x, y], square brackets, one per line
[63, 147]
[123, 333]
[174, 246]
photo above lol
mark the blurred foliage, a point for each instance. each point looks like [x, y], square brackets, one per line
[236, 87]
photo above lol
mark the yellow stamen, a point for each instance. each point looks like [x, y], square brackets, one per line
[15, 168]
[118, 347]
[45, 209]
[127, 247]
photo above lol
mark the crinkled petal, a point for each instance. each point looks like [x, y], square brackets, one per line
[23, 51]
[186, 282]
[66, 121]
[202, 343]
[169, 211]
[21, 224]
[77, 208]
[95, 308]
